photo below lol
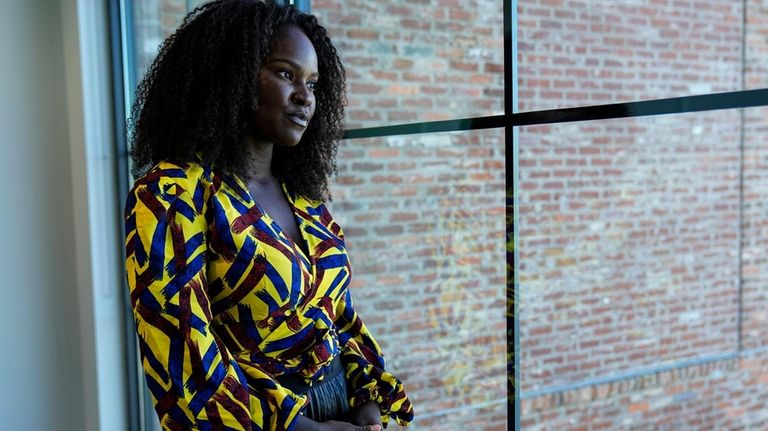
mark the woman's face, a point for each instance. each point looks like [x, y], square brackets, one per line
[287, 82]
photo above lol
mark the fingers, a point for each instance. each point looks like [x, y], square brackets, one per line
[338, 426]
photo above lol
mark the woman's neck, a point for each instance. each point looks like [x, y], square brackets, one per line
[259, 160]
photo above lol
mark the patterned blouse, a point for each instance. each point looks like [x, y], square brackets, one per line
[225, 302]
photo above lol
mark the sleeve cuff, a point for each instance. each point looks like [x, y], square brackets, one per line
[370, 383]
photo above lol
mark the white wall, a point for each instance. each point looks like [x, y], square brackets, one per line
[61, 342]
[40, 369]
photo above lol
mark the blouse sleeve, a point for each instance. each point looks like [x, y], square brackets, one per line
[194, 381]
[365, 368]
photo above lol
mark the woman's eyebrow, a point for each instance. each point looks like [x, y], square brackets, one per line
[290, 62]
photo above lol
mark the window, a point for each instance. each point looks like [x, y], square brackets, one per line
[423, 217]
[623, 144]
[418, 61]
[638, 276]
[632, 240]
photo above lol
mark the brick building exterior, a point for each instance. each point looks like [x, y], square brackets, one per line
[424, 214]
[642, 242]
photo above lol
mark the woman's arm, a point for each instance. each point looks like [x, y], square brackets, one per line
[366, 374]
[306, 424]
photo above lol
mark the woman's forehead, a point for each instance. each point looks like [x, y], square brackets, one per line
[290, 42]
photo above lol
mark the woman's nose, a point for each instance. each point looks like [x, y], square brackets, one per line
[302, 96]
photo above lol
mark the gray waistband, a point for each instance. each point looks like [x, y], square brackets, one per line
[296, 384]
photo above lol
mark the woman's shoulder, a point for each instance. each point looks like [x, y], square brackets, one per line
[168, 181]
[184, 175]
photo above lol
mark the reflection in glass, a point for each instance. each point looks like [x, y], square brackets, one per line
[423, 217]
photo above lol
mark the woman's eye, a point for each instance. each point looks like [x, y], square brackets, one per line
[285, 74]
[312, 85]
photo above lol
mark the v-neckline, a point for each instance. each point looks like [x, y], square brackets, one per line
[303, 248]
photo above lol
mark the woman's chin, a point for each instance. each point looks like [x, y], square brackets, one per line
[288, 141]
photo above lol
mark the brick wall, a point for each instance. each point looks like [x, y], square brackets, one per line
[637, 248]
[586, 52]
[424, 214]
[424, 224]
[714, 396]
[418, 60]
[755, 221]
[153, 21]
[628, 244]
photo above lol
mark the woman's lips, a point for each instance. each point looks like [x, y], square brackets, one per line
[299, 120]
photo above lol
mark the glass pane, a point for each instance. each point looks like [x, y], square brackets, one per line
[585, 52]
[153, 21]
[755, 45]
[423, 217]
[411, 61]
[407, 61]
[642, 247]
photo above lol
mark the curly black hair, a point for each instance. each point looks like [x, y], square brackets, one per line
[197, 94]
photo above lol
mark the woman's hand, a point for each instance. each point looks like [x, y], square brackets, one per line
[306, 424]
[366, 414]
[346, 426]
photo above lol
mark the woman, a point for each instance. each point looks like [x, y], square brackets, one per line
[238, 273]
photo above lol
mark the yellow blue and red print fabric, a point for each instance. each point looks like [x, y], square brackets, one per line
[225, 302]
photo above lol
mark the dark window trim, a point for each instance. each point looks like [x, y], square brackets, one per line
[673, 105]
[460, 124]
[643, 108]
[511, 205]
